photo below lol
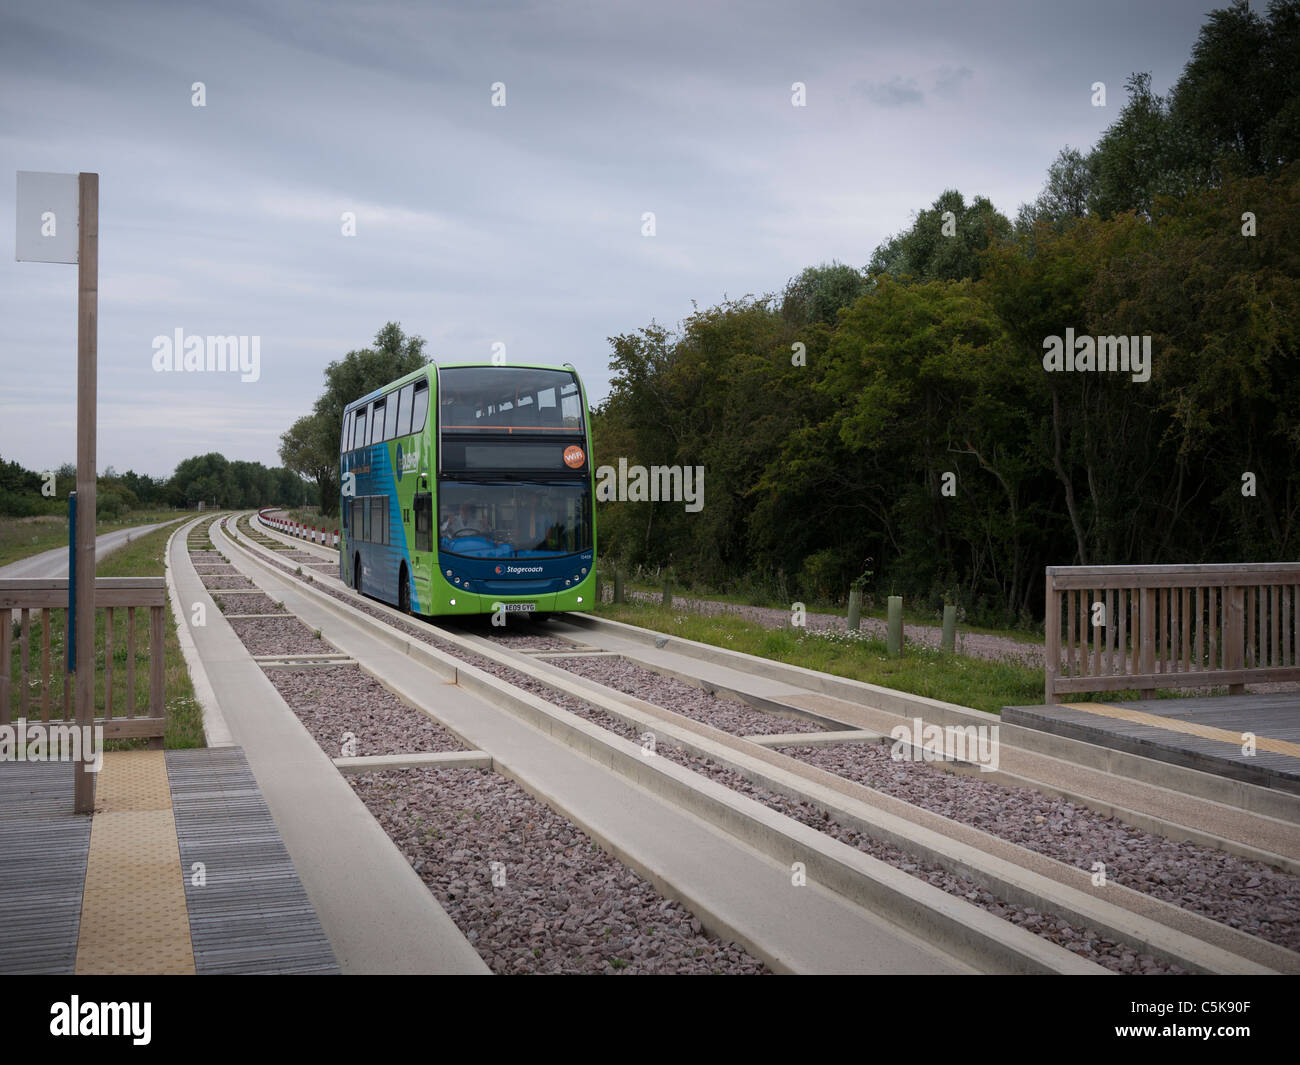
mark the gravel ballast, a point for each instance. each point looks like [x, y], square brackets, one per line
[559, 904]
[1247, 895]
[223, 580]
[276, 636]
[249, 604]
[726, 715]
[333, 700]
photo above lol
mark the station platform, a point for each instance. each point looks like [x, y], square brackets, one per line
[181, 870]
[1206, 733]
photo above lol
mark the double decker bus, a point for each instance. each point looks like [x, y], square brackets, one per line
[467, 489]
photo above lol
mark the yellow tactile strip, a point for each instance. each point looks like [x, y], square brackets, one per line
[1208, 732]
[133, 914]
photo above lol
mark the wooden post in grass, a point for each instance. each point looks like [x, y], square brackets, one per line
[855, 607]
[668, 593]
[618, 584]
[895, 626]
[949, 642]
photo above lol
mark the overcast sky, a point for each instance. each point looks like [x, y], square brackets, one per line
[478, 224]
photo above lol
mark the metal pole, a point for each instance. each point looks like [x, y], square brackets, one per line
[87, 337]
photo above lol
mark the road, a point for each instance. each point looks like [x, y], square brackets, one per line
[55, 563]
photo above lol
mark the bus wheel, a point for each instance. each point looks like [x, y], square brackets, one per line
[356, 574]
[403, 591]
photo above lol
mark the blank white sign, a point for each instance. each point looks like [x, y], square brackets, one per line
[46, 231]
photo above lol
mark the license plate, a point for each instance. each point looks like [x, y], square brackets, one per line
[519, 608]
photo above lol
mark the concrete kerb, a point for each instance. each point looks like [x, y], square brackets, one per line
[1266, 802]
[377, 763]
[961, 928]
[326, 554]
[1025, 886]
[816, 739]
[936, 756]
[1028, 887]
[710, 917]
[1250, 797]
[1005, 879]
[216, 733]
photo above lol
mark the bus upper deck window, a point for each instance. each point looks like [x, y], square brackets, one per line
[421, 407]
[404, 410]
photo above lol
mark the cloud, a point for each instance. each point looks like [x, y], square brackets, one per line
[948, 81]
[896, 92]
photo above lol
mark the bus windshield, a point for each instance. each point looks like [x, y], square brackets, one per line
[509, 399]
[481, 520]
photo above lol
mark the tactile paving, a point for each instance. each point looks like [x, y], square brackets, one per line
[133, 915]
[1189, 728]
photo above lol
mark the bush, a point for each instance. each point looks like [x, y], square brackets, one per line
[822, 575]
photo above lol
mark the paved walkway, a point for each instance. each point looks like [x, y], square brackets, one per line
[1208, 733]
[179, 871]
[54, 563]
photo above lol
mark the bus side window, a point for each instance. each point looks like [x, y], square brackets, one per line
[421, 406]
[424, 521]
[377, 422]
[404, 410]
[359, 434]
[390, 416]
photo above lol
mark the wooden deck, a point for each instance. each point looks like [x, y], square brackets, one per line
[1204, 733]
[43, 850]
[251, 916]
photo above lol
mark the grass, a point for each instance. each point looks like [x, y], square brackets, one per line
[140, 558]
[259, 537]
[23, 537]
[984, 685]
[979, 683]
[910, 616]
[311, 516]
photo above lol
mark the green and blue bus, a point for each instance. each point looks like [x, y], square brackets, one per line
[467, 489]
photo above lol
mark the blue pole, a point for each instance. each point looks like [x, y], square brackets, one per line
[71, 626]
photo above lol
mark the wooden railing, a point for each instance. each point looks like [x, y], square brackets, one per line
[1147, 627]
[22, 600]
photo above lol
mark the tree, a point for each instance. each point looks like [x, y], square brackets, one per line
[819, 292]
[1064, 197]
[310, 446]
[1237, 103]
[305, 450]
[939, 248]
[1138, 157]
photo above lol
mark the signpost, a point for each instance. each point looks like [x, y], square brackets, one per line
[58, 222]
